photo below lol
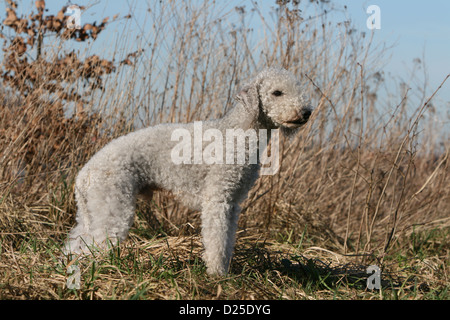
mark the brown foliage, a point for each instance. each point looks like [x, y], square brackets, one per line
[52, 74]
[35, 124]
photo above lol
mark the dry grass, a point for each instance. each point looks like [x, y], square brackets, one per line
[366, 182]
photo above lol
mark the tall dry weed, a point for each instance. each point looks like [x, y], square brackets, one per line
[46, 126]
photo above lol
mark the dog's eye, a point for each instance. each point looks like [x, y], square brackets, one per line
[277, 93]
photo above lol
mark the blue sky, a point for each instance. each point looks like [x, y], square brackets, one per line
[416, 29]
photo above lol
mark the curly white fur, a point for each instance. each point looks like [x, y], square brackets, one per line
[140, 162]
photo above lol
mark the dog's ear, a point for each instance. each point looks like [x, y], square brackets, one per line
[249, 97]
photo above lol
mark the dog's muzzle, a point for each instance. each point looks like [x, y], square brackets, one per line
[301, 120]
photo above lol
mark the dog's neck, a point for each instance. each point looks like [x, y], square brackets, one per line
[240, 117]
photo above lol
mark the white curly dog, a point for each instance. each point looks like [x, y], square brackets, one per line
[143, 161]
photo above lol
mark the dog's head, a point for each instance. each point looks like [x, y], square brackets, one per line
[278, 98]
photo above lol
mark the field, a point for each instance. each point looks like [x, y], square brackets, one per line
[365, 183]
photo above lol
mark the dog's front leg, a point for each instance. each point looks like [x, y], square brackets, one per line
[219, 224]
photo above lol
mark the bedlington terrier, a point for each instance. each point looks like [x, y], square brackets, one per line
[165, 157]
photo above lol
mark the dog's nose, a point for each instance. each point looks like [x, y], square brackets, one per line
[306, 113]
